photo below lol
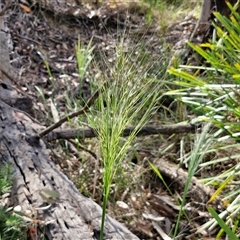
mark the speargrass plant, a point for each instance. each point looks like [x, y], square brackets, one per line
[128, 97]
[213, 94]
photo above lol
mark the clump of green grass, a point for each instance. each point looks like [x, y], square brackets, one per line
[11, 226]
[84, 57]
[130, 91]
[5, 178]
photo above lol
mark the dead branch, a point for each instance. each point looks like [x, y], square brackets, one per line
[82, 133]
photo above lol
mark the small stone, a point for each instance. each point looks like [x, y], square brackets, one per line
[122, 205]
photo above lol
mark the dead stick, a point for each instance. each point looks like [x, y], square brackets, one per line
[82, 133]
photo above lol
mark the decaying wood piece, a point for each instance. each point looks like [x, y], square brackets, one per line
[147, 130]
[178, 176]
[69, 216]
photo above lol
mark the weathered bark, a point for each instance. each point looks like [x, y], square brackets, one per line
[69, 216]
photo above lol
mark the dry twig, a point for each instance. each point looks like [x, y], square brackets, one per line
[82, 133]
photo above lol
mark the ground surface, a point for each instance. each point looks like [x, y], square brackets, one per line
[138, 198]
